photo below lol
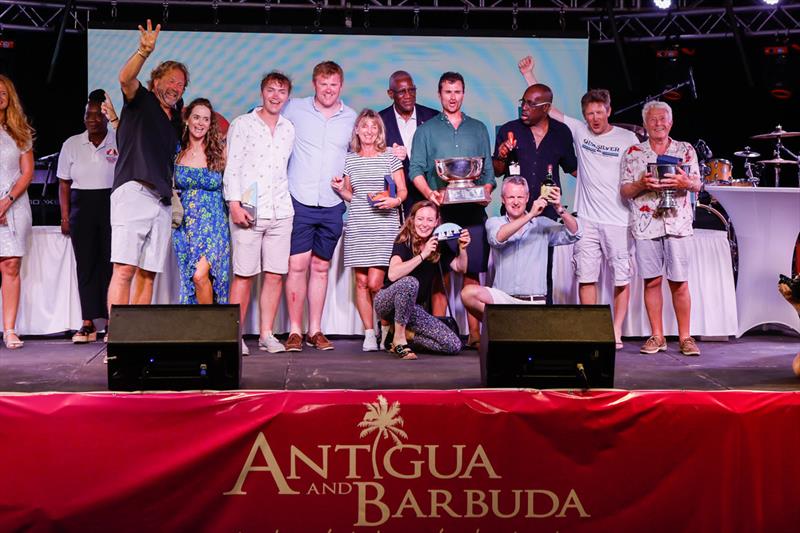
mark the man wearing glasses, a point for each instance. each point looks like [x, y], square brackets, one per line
[540, 141]
[401, 120]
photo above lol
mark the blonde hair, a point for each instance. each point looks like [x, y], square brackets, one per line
[380, 142]
[16, 122]
[163, 68]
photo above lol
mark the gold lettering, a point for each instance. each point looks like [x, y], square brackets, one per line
[472, 502]
[313, 489]
[496, 503]
[531, 507]
[363, 502]
[432, 461]
[351, 457]
[387, 462]
[573, 501]
[295, 453]
[411, 503]
[261, 445]
[329, 488]
[445, 505]
[479, 458]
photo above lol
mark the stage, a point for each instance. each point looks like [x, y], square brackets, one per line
[757, 361]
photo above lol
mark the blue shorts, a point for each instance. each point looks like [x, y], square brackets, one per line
[316, 229]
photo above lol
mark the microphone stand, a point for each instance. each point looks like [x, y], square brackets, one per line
[655, 97]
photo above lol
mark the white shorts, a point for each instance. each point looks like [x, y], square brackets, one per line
[600, 241]
[141, 227]
[500, 297]
[653, 254]
[262, 248]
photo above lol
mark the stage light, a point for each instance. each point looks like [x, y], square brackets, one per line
[772, 2]
[663, 4]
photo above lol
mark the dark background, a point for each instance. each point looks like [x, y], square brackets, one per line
[726, 113]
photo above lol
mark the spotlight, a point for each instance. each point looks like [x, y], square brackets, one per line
[772, 2]
[663, 4]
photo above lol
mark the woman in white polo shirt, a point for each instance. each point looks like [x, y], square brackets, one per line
[86, 170]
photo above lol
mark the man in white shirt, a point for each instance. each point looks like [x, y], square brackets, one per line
[603, 215]
[259, 146]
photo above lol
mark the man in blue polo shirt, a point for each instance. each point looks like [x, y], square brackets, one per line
[323, 127]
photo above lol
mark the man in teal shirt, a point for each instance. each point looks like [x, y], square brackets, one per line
[454, 134]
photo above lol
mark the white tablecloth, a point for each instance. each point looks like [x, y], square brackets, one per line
[50, 302]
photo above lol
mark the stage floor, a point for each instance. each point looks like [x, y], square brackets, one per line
[754, 362]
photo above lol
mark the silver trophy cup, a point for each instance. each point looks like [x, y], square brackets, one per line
[460, 174]
[659, 171]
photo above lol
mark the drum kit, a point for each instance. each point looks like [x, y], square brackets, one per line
[720, 171]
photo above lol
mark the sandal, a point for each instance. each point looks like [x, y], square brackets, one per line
[403, 352]
[11, 340]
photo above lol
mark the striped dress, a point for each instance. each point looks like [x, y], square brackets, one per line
[370, 232]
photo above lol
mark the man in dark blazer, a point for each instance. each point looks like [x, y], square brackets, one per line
[402, 119]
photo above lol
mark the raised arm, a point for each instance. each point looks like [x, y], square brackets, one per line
[147, 43]
[526, 67]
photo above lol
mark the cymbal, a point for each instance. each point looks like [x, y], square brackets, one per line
[747, 152]
[778, 161]
[777, 133]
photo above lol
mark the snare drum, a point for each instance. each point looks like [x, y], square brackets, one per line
[742, 183]
[720, 171]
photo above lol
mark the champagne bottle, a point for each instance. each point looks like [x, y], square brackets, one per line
[513, 157]
[548, 183]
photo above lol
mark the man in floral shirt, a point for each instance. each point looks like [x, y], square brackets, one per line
[661, 235]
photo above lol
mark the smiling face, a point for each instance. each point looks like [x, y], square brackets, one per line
[515, 198]
[169, 87]
[327, 90]
[96, 123]
[596, 115]
[199, 122]
[658, 124]
[274, 97]
[425, 221]
[451, 95]
[368, 131]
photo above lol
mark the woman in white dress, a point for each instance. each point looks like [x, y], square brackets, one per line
[372, 223]
[16, 172]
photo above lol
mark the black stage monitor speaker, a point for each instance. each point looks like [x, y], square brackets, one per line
[174, 347]
[546, 347]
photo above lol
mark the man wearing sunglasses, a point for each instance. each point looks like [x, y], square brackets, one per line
[402, 119]
[540, 141]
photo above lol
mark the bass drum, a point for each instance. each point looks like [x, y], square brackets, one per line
[709, 214]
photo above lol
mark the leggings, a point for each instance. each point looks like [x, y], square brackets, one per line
[397, 302]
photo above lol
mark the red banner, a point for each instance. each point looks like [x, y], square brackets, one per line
[401, 461]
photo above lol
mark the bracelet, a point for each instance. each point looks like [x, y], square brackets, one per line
[139, 51]
[11, 197]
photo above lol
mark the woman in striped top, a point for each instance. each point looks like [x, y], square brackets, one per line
[372, 224]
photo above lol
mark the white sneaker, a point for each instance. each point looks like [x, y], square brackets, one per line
[270, 344]
[245, 349]
[370, 343]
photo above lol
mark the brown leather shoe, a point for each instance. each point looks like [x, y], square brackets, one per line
[294, 343]
[318, 341]
[654, 345]
[689, 347]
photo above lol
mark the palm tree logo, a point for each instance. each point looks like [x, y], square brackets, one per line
[384, 420]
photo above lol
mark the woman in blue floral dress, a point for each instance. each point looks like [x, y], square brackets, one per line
[202, 241]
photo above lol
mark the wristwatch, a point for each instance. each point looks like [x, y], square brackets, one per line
[11, 197]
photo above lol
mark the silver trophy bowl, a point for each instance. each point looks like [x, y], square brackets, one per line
[459, 171]
[659, 171]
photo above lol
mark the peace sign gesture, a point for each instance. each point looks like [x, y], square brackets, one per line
[148, 37]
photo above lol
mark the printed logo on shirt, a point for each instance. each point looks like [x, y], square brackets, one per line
[600, 149]
[112, 155]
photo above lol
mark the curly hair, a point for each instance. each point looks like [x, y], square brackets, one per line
[163, 68]
[16, 122]
[214, 142]
[408, 233]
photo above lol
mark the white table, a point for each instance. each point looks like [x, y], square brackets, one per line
[710, 284]
[767, 221]
[50, 302]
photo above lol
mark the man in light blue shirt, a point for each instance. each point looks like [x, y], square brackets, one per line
[323, 128]
[519, 242]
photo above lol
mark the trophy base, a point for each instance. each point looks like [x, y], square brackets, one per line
[465, 195]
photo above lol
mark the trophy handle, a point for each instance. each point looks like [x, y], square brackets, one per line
[439, 167]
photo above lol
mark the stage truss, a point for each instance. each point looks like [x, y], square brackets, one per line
[603, 20]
